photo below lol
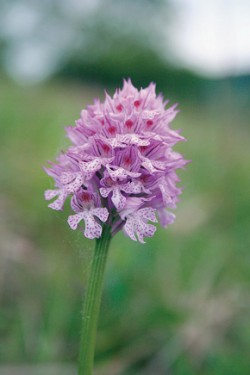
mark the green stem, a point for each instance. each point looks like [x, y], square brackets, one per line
[92, 302]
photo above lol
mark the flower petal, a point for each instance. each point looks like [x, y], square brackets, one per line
[136, 224]
[90, 166]
[74, 220]
[59, 202]
[92, 228]
[105, 191]
[101, 213]
[67, 177]
[166, 217]
[148, 213]
[129, 229]
[144, 230]
[134, 187]
[118, 173]
[50, 194]
[118, 199]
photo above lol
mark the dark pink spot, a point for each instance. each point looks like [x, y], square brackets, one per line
[149, 123]
[112, 129]
[85, 197]
[127, 160]
[102, 121]
[106, 148]
[144, 178]
[137, 103]
[129, 124]
[119, 107]
[143, 148]
[109, 181]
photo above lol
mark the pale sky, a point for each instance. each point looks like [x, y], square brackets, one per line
[212, 37]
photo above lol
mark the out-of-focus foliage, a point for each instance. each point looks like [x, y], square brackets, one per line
[39, 38]
[175, 305]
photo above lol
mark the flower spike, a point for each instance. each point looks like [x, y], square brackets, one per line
[120, 168]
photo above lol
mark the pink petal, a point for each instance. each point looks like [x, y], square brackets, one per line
[134, 187]
[92, 228]
[105, 192]
[59, 202]
[120, 173]
[166, 217]
[129, 229]
[144, 230]
[148, 213]
[118, 199]
[50, 194]
[90, 166]
[66, 178]
[74, 220]
[101, 213]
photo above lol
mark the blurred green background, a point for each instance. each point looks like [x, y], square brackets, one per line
[178, 304]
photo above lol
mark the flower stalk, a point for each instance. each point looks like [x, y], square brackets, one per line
[92, 303]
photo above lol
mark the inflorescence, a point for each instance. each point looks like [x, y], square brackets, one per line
[120, 169]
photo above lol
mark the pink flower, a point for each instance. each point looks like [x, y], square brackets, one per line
[85, 204]
[120, 169]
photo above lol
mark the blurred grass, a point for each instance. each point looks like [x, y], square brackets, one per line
[177, 305]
